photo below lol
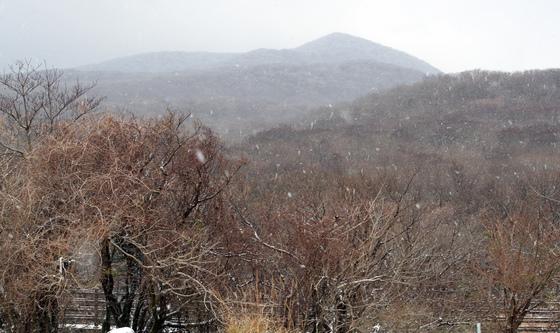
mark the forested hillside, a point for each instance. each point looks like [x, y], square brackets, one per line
[499, 119]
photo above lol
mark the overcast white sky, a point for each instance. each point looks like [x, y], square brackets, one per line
[453, 35]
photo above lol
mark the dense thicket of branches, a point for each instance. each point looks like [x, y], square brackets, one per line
[140, 195]
[176, 233]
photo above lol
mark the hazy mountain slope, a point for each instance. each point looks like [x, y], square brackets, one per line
[241, 98]
[276, 83]
[257, 88]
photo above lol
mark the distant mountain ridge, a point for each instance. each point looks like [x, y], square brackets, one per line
[161, 62]
[333, 48]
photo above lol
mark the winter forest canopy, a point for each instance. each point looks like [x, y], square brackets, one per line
[332, 187]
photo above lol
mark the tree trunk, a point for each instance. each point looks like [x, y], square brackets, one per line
[107, 283]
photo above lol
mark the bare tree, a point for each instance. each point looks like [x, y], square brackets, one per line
[33, 98]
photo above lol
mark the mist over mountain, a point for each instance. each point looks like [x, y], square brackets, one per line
[263, 87]
[339, 47]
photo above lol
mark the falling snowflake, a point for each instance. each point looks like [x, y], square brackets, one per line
[200, 156]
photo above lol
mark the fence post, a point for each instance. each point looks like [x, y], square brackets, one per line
[96, 308]
[478, 328]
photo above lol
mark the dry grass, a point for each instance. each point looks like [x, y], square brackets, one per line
[253, 323]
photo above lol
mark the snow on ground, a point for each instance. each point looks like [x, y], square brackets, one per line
[122, 330]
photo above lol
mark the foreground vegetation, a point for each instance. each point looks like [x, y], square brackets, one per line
[388, 216]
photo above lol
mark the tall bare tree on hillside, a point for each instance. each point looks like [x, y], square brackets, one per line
[33, 98]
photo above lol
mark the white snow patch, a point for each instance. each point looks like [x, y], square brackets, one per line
[122, 330]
